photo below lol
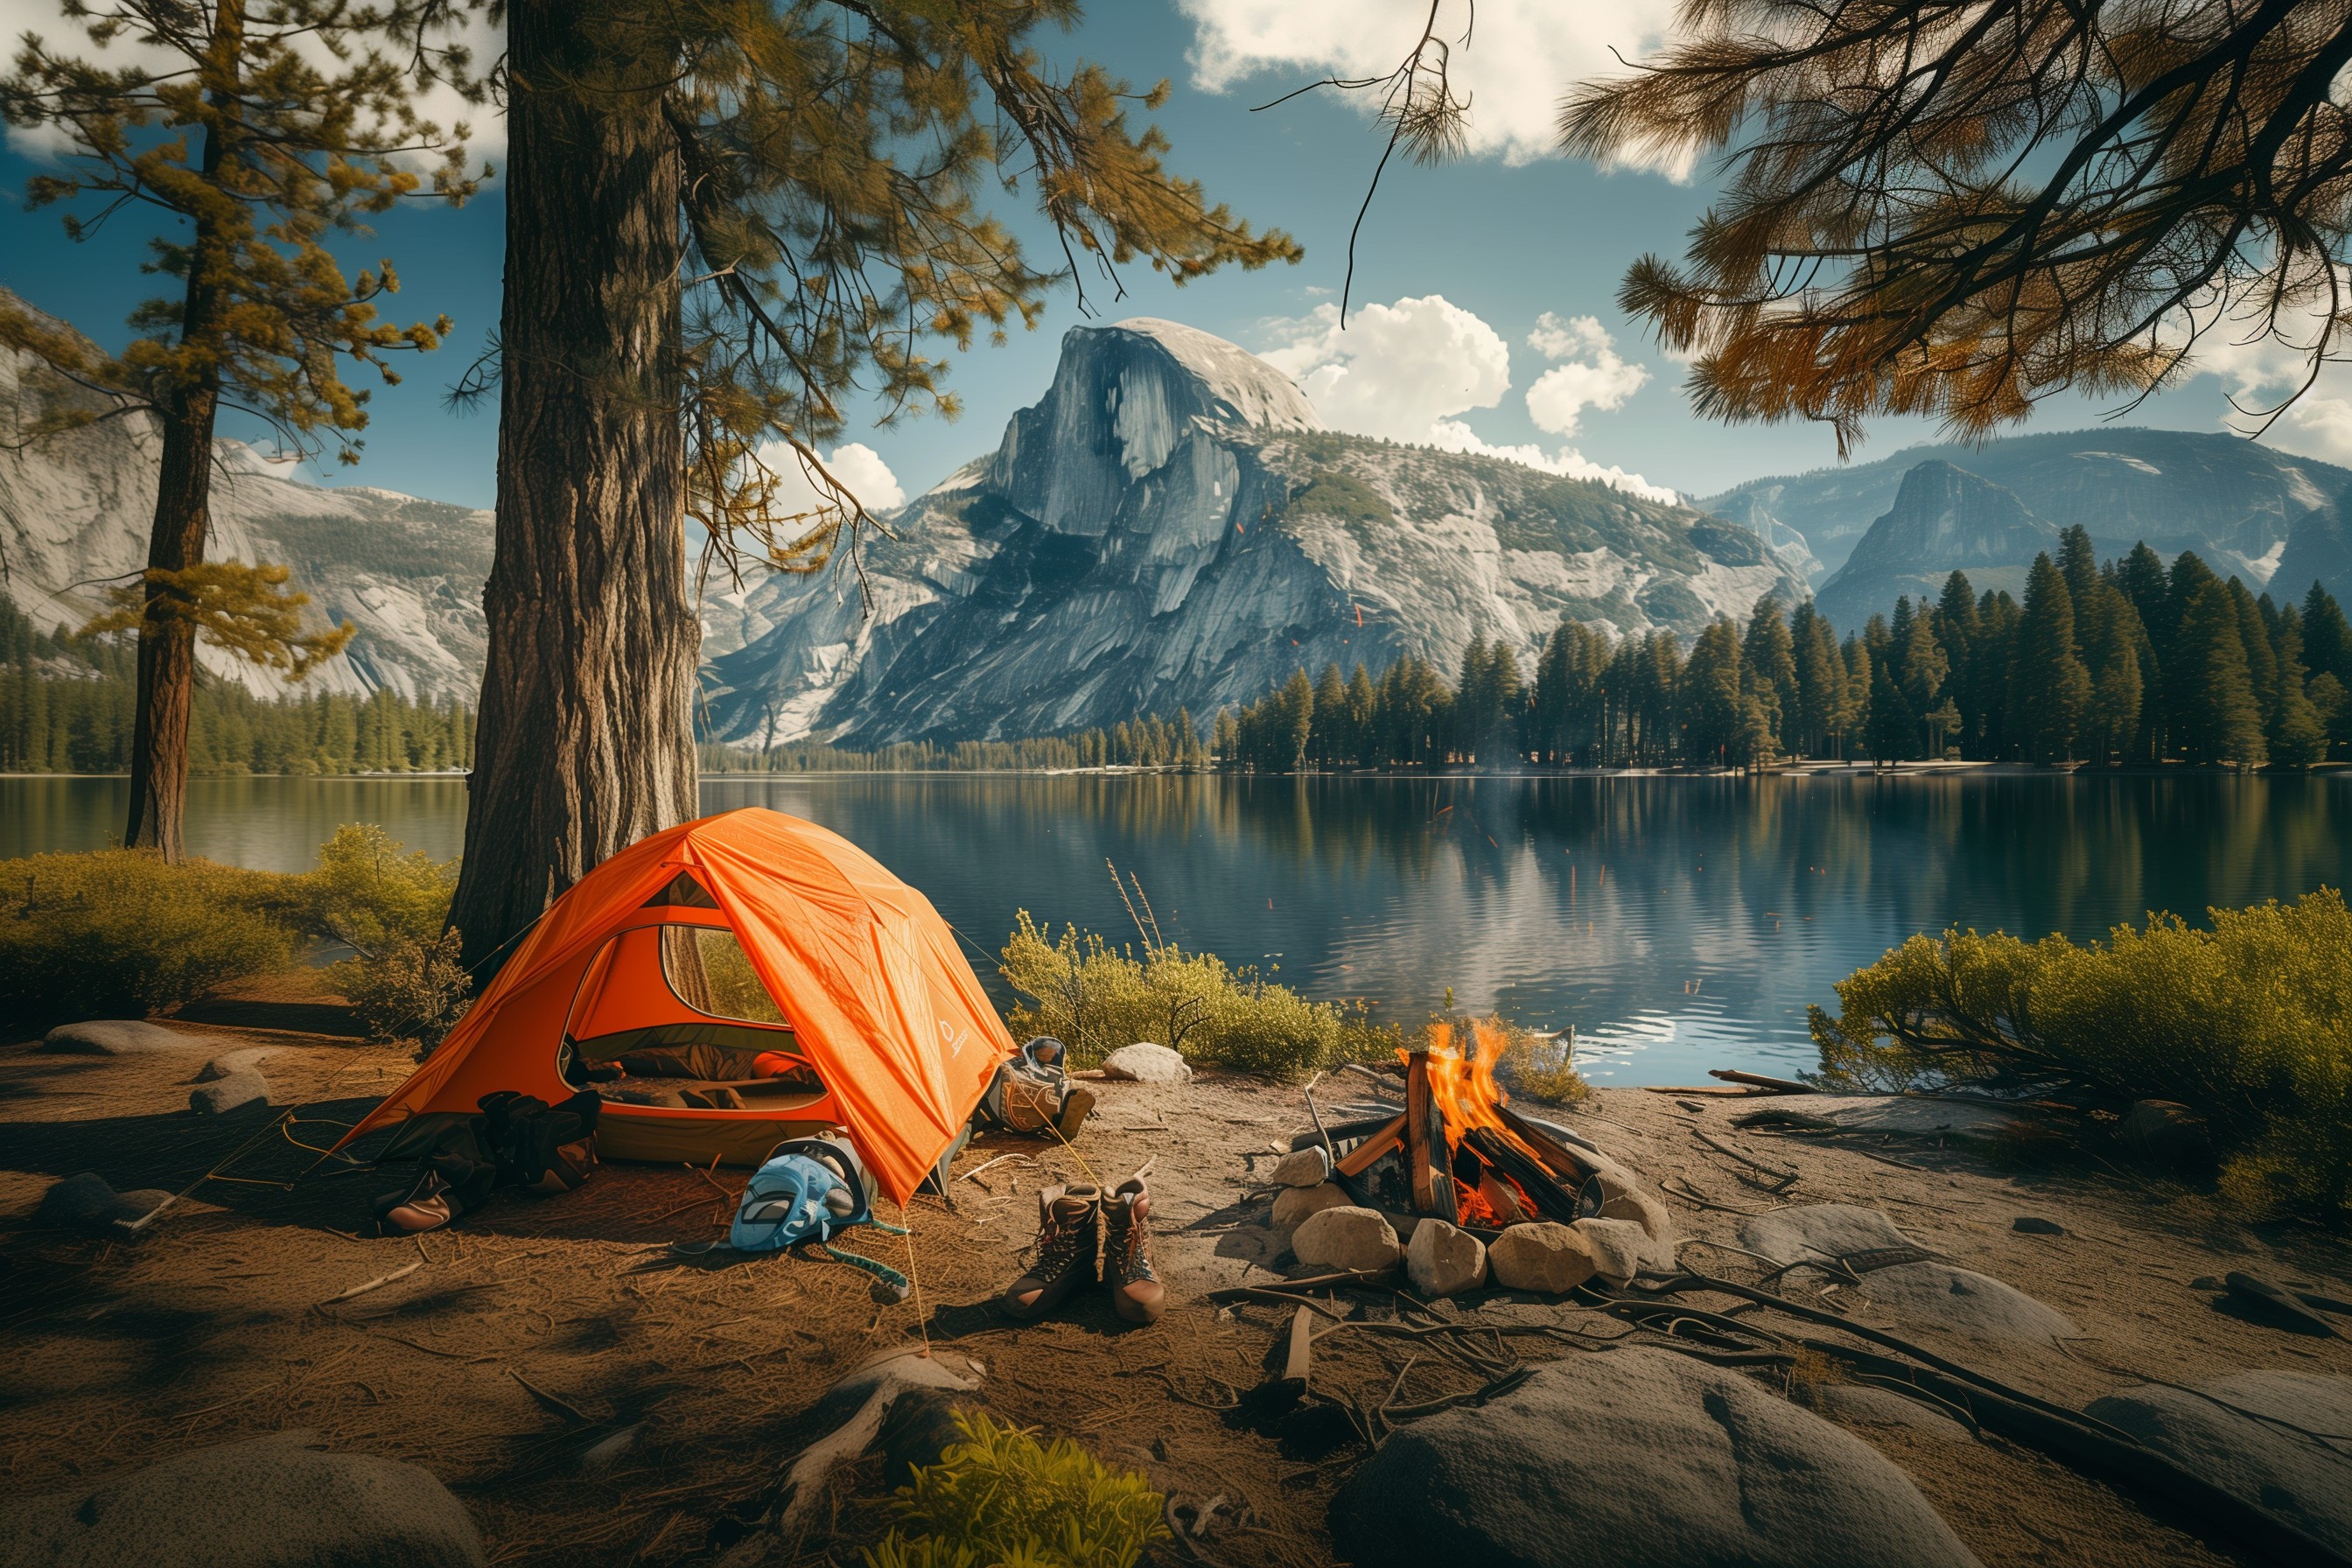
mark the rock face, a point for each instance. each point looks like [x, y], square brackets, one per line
[1170, 527]
[2318, 549]
[1927, 1291]
[2233, 501]
[1639, 1460]
[269, 1503]
[2241, 1434]
[1144, 1062]
[1442, 1259]
[75, 509]
[1943, 519]
[1347, 1238]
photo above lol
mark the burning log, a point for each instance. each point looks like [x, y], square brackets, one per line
[1428, 1160]
[1386, 1141]
[1551, 1199]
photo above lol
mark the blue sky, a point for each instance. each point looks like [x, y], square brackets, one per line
[1518, 243]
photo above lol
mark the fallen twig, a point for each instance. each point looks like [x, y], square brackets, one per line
[563, 1407]
[1784, 1177]
[365, 1285]
[1761, 1080]
[974, 1174]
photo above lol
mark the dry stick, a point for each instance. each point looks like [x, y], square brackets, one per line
[2089, 1443]
[365, 1285]
[1785, 1177]
[1778, 1085]
[563, 1407]
[974, 1174]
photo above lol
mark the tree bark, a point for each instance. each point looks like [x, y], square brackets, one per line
[175, 538]
[584, 745]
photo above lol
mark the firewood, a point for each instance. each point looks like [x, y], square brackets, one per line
[1295, 1363]
[1553, 1200]
[1360, 1158]
[1419, 1111]
[1567, 1164]
[1761, 1080]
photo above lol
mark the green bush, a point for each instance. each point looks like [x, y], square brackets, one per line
[1539, 1069]
[1001, 1499]
[120, 933]
[408, 992]
[368, 894]
[2249, 1023]
[1095, 998]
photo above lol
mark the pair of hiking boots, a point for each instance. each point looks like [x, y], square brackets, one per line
[1083, 1237]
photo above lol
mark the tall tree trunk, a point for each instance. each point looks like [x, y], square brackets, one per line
[175, 538]
[584, 745]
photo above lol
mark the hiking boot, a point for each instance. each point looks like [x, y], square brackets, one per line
[1077, 1105]
[1069, 1241]
[1135, 1290]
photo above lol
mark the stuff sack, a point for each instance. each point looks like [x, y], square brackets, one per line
[808, 1189]
[540, 1147]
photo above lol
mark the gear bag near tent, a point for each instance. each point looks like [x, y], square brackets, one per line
[727, 985]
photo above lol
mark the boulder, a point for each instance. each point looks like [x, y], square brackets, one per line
[88, 1202]
[1346, 1238]
[1442, 1259]
[2252, 1435]
[2167, 1133]
[1639, 1458]
[228, 1062]
[1292, 1205]
[1307, 1167]
[1144, 1062]
[2034, 1225]
[1927, 1291]
[1621, 1249]
[1620, 1199]
[243, 1087]
[1544, 1255]
[118, 1038]
[273, 1502]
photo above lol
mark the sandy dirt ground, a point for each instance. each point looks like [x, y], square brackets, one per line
[543, 1328]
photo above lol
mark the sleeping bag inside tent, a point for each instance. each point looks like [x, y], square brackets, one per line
[725, 985]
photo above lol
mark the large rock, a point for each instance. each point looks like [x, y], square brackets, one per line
[1620, 1199]
[1144, 1062]
[1293, 1205]
[243, 1087]
[273, 1502]
[228, 1062]
[1635, 1458]
[1444, 1259]
[2254, 1435]
[1307, 1167]
[1929, 1291]
[88, 1202]
[1622, 1249]
[119, 1038]
[1347, 1238]
[1546, 1256]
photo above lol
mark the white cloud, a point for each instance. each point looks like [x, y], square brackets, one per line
[1407, 370]
[487, 138]
[1521, 59]
[1396, 369]
[1594, 377]
[854, 464]
[2262, 372]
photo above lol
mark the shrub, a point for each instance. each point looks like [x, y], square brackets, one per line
[1000, 1497]
[2249, 1023]
[1540, 1069]
[1095, 998]
[118, 932]
[368, 895]
[409, 991]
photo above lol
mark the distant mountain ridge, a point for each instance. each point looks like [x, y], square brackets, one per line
[75, 509]
[1171, 526]
[2233, 500]
[1950, 520]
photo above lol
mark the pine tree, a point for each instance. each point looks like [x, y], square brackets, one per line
[2294, 732]
[259, 130]
[1854, 704]
[1713, 702]
[2214, 716]
[2048, 687]
[2327, 637]
[722, 221]
[1767, 661]
[1820, 682]
[1920, 670]
[2109, 634]
[1955, 628]
[1892, 731]
[1334, 741]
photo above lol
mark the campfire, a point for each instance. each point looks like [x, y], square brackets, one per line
[1459, 1152]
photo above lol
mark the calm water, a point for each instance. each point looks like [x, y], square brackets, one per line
[1679, 924]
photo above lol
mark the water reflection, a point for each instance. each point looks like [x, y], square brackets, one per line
[1678, 923]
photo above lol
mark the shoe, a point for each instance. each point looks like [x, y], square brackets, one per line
[1135, 1290]
[1077, 1105]
[1069, 1244]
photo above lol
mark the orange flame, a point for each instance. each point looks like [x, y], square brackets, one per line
[1465, 1090]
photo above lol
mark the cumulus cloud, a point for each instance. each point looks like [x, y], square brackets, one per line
[2262, 372]
[1407, 370]
[1520, 58]
[1591, 375]
[487, 126]
[853, 463]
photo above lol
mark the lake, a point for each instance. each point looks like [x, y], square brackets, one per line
[1678, 923]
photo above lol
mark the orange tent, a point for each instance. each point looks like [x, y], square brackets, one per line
[854, 988]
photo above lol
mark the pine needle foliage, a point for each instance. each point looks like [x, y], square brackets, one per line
[2249, 1023]
[241, 609]
[1001, 1499]
[1956, 207]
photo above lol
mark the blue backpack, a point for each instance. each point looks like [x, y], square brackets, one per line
[809, 1190]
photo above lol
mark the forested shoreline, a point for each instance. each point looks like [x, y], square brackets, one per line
[2128, 663]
